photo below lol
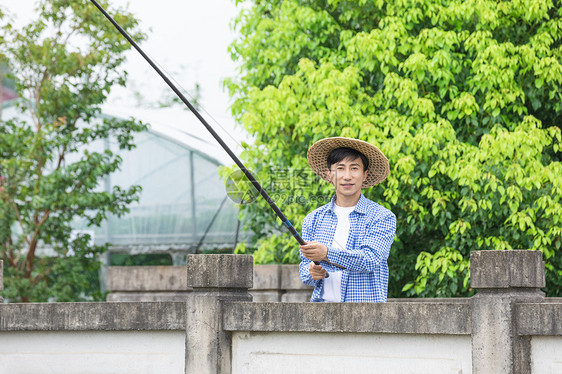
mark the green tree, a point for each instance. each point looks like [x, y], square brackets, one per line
[64, 65]
[464, 98]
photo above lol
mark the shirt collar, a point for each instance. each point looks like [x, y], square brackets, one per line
[361, 206]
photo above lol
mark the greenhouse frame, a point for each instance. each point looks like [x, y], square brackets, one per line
[184, 206]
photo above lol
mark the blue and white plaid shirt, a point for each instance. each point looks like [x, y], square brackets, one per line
[371, 233]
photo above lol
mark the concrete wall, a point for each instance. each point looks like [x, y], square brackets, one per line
[95, 352]
[279, 283]
[147, 338]
[542, 323]
[508, 327]
[396, 337]
[147, 283]
[546, 353]
[169, 283]
[275, 353]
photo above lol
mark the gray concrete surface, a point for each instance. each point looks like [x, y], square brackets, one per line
[508, 313]
[392, 317]
[506, 269]
[220, 271]
[92, 316]
[539, 319]
[169, 283]
[147, 283]
[215, 279]
[503, 278]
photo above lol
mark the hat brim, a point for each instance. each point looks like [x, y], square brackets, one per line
[378, 169]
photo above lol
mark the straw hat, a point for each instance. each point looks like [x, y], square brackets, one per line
[378, 169]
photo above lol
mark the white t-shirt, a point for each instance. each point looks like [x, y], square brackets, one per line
[332, 284]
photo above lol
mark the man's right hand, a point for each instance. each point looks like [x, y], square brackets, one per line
[317, 272]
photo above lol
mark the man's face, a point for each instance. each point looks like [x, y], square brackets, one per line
[347, 176]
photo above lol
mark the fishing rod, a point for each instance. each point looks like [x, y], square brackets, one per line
[236, 160]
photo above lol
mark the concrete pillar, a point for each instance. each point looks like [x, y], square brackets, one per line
[502, 279]
[214, 278]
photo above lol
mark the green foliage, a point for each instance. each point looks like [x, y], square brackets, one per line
[145, 259]
[64, 65]
[463, 97]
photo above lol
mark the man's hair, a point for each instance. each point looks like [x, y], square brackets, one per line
[342, 153]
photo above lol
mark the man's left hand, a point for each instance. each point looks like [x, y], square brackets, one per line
[314, 251]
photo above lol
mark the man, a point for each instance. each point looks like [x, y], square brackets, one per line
[350, 236]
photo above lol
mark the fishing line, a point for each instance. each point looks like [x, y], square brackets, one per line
[186, 93]
[237, 161]
[199, 104]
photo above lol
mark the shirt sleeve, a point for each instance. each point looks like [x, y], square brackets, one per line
[304, 273]
[371, 250]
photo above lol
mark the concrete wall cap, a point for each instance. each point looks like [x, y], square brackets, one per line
[94, 316]
[506, 269]
[402, 318]
[220, 271]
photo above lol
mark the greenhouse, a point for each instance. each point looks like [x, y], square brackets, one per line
[183, 207]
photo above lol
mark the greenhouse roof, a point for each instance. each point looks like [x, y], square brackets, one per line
[184, 128]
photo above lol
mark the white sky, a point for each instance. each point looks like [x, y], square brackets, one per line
[188, 39]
